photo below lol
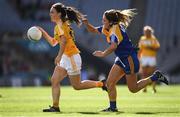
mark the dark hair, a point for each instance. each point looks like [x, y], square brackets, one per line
[117, 16]
[68, 13]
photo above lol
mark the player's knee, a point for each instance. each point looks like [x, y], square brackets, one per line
[54, 82]
[77, 87]
[110, 85]
[133, 90]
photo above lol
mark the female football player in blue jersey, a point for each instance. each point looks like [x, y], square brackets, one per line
[126, 62]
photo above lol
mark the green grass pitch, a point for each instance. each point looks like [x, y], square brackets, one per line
[29, 102]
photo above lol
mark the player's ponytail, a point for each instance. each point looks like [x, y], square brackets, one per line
[126, 16]
[117, 16]
[74, 15]
[68, 13]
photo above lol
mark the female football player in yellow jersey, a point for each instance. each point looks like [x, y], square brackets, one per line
[126, 62]
[149, 46]
[68, 60]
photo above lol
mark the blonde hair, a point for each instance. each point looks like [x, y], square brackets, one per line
[148, 28]
[120, 16]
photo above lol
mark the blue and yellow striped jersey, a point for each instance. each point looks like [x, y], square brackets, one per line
[117, 34]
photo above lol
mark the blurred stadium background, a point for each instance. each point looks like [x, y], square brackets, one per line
[25, 63]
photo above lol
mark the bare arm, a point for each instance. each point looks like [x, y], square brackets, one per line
[49, 39]
[61, 49]
[107, 51]
[110, 49]
[89, 26]
[62, 46]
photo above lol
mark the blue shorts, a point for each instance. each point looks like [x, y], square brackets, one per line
[129, 64]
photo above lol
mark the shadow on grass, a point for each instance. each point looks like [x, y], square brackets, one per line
[145, 113]
[92, 113]
[119, 112]
[116, 113]
[149, 113]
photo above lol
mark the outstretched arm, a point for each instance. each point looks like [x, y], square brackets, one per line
[89, 26]
[49, 39]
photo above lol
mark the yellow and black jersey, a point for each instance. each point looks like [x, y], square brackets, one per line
[66, 30]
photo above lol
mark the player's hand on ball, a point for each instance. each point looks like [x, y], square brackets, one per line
[98, 54]
[41, 29]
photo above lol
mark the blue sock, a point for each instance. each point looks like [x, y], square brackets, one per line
[153, 77]
[113, 104]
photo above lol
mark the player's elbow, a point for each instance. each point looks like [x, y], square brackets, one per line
[53, 42]
[113, 47]
[53, 45]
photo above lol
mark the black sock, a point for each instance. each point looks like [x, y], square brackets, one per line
[113, 104]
